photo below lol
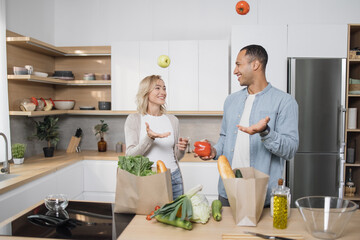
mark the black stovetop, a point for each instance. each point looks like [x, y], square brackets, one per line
[87, 220]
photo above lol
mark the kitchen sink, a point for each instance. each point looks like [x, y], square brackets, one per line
[4, 177]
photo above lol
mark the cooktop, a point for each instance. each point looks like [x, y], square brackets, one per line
[80, 220]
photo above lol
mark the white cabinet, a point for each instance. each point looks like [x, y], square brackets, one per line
[70, 180]
[149, 53]
[213, 74]
[196, 80]
[125, 62]
[274, 39]
[205, 174]
[19, 199]
[183, 84]
[99, 180]
[311, 40]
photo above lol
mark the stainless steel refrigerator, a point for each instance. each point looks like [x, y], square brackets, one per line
[318, 86]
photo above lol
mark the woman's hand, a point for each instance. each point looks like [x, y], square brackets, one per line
[154, 135]
[256, 128]
[182, 144]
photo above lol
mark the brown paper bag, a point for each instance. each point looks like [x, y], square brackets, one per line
[140, 195]
[247, 196]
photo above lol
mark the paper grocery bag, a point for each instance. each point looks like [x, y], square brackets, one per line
[247, 196]
[140, 195]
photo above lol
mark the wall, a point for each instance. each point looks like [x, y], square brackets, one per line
[22, 129]
[100, 22]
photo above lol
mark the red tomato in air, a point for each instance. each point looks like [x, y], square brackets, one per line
[242, 7]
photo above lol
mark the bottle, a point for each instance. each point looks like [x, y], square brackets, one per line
[102, 145]
[350, 153]
[280, 205]
[350, 188]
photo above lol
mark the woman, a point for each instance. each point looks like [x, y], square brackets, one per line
[153, 133]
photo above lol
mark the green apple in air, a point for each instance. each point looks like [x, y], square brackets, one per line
[163, 61]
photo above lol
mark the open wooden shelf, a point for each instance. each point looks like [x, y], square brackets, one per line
[106, 112]
[354, 198]
[33, 78]
[50, 50]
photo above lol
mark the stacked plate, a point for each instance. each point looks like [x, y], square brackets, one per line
[64, 75]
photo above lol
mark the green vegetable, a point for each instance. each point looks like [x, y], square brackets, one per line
[170, 209]
[138, 165]
[177, 222]
[238, 174]
[201, 208]
[216, 207]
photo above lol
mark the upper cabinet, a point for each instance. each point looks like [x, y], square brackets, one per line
[196, 79]
[324, 41]
[274, 39]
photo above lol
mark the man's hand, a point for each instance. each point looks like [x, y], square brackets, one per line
[212, 154]
[182, 143]
[256, 128]
[154, 135]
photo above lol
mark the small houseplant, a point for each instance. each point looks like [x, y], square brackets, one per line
[48, 130]
[18, 152]
[100, 129]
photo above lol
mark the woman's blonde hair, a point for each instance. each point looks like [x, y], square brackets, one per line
[142, 97]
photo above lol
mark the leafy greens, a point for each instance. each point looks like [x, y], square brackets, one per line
[138, 165]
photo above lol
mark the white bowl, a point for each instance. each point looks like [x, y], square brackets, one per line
[64, 104]
[41, 74]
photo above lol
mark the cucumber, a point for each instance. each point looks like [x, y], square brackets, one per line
[216, 207]
[177, 222]
[238, 174]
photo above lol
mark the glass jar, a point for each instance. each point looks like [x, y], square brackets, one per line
[27, 105]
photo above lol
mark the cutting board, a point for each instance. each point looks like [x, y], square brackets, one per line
[244, 236]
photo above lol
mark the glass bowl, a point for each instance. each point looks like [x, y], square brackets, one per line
[56, 202]
[325, 217]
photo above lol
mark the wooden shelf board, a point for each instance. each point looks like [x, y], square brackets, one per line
[50, 50]
[352, 164]
[356, 197]
[37, 113]
[353, 130]
[34, 78]
[104, 113]
[354, 60]
[354, 95]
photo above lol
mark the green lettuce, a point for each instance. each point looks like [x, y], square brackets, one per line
[138, 165]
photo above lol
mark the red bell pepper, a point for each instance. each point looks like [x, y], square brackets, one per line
[203, 149]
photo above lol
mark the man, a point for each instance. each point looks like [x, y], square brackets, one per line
[260, 123]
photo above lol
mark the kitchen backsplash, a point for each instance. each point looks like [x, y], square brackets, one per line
[22, 129]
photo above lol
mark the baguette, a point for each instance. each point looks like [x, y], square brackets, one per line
[225, 168]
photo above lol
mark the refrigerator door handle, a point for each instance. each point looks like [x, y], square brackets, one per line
[291, 76]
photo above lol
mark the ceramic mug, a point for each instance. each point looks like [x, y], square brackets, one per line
[30, 69]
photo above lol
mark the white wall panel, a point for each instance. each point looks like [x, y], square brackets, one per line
[274, 39]
[125, 66]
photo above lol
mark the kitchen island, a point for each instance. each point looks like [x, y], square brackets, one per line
[140, 228]
[226, 228]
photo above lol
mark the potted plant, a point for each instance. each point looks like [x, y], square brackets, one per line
[48, 130]
[100, 129]
[18, 152]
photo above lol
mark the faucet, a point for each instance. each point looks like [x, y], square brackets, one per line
[6, 165]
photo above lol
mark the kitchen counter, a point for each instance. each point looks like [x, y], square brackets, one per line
[214, 230]
[39, 166]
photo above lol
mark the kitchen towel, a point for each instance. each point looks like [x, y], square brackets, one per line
[140, 194]
[247, 195]
[352, 118]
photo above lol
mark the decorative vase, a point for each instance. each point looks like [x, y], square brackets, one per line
[18, 160]
[102, 145]
[48, 151]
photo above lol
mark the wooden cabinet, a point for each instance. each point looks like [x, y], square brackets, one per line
[352, 136]
[46, 58]
[198, 71]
